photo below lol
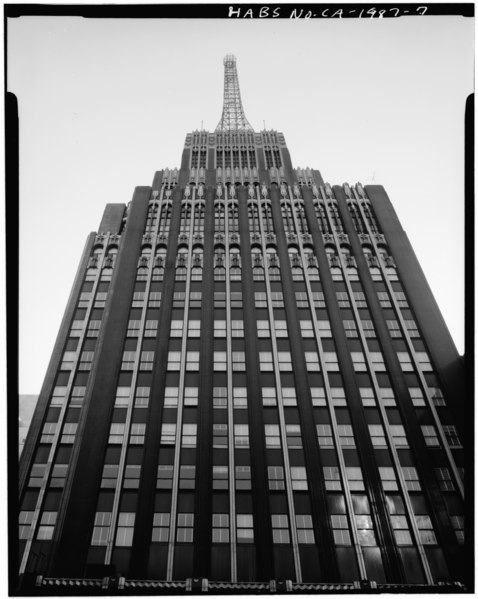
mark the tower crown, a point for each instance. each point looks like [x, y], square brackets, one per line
[233, 117]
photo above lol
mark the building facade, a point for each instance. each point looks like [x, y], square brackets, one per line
[252, 385]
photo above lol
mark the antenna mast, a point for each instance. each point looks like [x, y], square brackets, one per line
[233, 116]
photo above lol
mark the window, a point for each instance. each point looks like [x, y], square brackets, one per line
[425, 530]
[293, 435]
[306, 328]
[151, 328]
[48, 432]
[69, 432]
[445, 481]
[312, 361]
[305, 529]
[195, 299]
[237, 328]
[184, 530]
[430, 435]
[343, 299]
[387, 397]
[58, 475]
[359, 298]
[332, 478]
[405, 361]
[365, 533]
[394, 328]
[131, 476]
[236, 299]
[298, 476]
[155, 299]
[194, 328]
[280, 528]
[377, 435]
[400, 530]
[219, 435]
[125, 529]
[178, 299]
[346, 436]
[68, 360]
[219, 299]
[192, 360]
[412, 328]
[241, 436]
[238, 361]
[187, 477]
[324, 328]
[260, 299]
[243, 478]
[368, 328]
[171, 397]
[101, 528]
[165, 477]
[412, 481]
[58, 396]
[138, 431]
[424, 361]
[189, 435]
[220, 528]
[265, 361]
[376, 359]
[338, 396]
[340, 529]
[219, 397]
[398, 436]
[138, 299]
[147, 359]
[77, 395]
[367, 395]
[401, 299]
[168, 433]
[128, 360]
[275, 475]
[220, 477]
[109, 476]
[384, 299]
[239, 397]
[245, 530]
[191, 395]
[174, 360]
[263, 329]
[220, 360]
[272, 435]
[318, 396]
[47, 526]
[285, 361]
[458, 523]
[324, 435]
[388, 478]
[451, 436]
[280, 327]
[277, 300]
[289, 397]
[355, 478]
[301, 299]
[437, 396]
[331, 361]
[160, 532]
[358, 360]
[350, 328]
[269, 396]
[416, 395]
[219, 328]
[176, 328]
[318, 299]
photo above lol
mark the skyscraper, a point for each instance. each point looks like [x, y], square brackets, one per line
[252, 389]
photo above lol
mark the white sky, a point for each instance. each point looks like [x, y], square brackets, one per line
[105, 103]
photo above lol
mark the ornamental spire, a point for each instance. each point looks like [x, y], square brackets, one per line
[233, 116]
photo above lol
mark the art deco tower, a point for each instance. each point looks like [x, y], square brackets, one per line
[252, 389]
